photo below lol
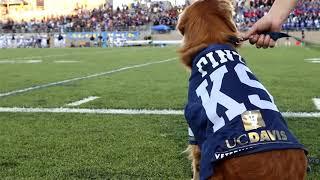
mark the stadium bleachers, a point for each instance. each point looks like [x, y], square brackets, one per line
[116, 26]
[105, 112]
[140, 17]
[104, 18]
[305, 16]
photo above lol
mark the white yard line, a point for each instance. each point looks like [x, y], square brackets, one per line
[130, 111]
[301, 114]
[85, 100]
[31, 61]
[82, 78]
[34, 57]
[48, 56]
[53, 55]
[65, 61]
[93, 111]
[313, 59]
[317, 102]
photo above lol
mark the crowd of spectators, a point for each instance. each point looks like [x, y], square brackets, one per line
[104, 18]
[167, 17]
[141, 16]
[305, 16]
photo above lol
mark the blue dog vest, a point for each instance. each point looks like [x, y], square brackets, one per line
[229, 112]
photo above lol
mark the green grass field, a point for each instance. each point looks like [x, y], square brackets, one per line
[106, 146]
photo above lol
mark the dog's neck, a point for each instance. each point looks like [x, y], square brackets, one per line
[235, 41]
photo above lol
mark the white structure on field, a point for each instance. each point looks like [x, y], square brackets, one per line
[120, 3]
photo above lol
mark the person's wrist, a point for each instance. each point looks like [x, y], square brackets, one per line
[275, 20]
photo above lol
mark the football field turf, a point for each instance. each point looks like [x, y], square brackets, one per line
[115, 140]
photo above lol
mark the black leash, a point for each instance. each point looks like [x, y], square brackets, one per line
[275, 36]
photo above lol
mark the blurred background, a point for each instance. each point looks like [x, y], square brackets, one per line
[108, 23]
[76, 102]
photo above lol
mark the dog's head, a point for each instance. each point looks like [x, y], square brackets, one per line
[203, 23]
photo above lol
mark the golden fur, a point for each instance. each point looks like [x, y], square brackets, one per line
[207, 22]
[288, 164]
[203, 23]
[194, 156]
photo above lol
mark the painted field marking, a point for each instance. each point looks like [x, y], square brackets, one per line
[65, 61]
[301, 114]
[130, 111]
[83, 77]
[92, 111]
[53, 55]
[312, 59]
[85, 100]
[33, 57]
[49, 56]
[317, 102]
[31, 61]
[20, 61]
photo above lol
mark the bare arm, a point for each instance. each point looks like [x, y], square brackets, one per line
[273, 21]
[281, 9]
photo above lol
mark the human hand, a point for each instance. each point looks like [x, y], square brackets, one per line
[266, 24]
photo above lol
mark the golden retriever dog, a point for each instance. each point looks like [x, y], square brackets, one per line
[237, 131]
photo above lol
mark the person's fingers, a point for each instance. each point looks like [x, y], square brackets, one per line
[272, 43]
[252, 31]
[266, 42]
[260, 41]
[248, 34]
[253, 39]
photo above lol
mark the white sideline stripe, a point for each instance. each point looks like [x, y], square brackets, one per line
[31, 61]
[53, 55]
[301, 114]
[317, 102]
[33, 57]
[130, 111]
[82, 78]
[92, 111]
[313, 59]
[65, 61]
[85, 100]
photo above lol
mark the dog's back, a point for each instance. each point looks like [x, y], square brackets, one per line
[230, 112]
[288, 164]
[233, 117]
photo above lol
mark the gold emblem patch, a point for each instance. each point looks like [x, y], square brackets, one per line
[252, 120]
